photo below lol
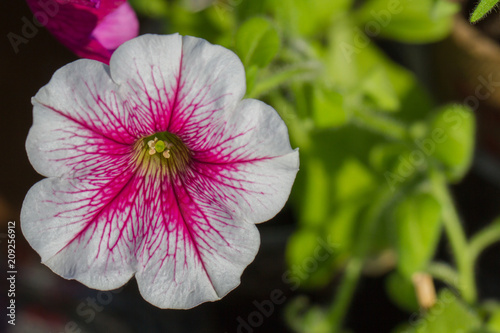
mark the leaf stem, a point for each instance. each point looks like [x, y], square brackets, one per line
[300, 72]
[483, 239]
[457, 238]
[354, 267]
[444, 272]
[345, 293]
[298, 128]
[381, 124]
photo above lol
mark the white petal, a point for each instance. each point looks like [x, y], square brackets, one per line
[83, 232]
[79, 118]
[212, 82]
[249, 165]
[185, 83]
[147, 70]
[195, 250]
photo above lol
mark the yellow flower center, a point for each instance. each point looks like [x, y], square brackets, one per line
[165, 149]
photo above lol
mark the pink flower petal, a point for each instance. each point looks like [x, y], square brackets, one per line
[92, 29]
[117, 27]
[86, 3]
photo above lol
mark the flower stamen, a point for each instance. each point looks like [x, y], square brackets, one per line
[169, 150]
[151, 143]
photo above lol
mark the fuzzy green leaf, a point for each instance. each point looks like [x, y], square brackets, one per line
[483, 8]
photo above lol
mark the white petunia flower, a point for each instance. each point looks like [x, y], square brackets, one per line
[156, 168]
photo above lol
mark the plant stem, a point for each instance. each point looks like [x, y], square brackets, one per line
[354, 267]
[345, 293]
[381, 124]
[483, 239]
[302, 71]
[299, 134]
[457, 238]
[443, 272]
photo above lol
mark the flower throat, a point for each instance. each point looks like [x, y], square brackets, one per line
[168, 150]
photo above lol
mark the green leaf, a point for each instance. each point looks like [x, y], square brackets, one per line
[353, 180]
[407, 20]
[328, 110]
[482, 9]
[301, 246]
[494, 322]
[341, 226]
[304, 318]
[341, 56]
[451, 139]
[257, 42]
[379, 89]
[151, 8]
[293, 74]
[401, 291]
[418, 224]
[309, 255]
[200, 24]
[315, 202]
[413, 99]
[351, 57]
[392, 161]
[308, 17]
[385, 157]
[449, 314]
[251, 76]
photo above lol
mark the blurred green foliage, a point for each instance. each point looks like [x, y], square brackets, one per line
[401, 292]
[418, 227]
[455, 152]
[449, 314]
[408, 21]
[257, 42]
[376, 153]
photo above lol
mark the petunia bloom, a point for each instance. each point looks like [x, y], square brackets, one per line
[92, 29]
[156, 168]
